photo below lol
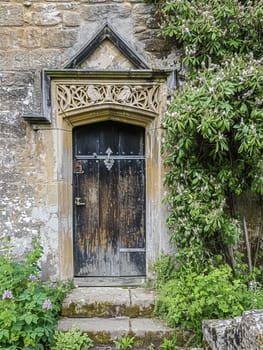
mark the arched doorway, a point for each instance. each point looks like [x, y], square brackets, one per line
[109, 200]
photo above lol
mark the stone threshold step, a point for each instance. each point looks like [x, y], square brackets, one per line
[109, 281]
[106, 347]
[104, 331]
[109, 302]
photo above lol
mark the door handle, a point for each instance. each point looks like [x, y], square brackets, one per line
[78, 202]
[109, 161]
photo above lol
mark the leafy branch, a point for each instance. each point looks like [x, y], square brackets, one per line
[214, 144]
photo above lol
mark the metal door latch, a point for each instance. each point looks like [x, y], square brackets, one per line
[78, 202]
[109, 161]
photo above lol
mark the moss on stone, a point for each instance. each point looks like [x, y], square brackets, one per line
[259, 339]
[137, 311]
[103, 338]
[156, 338]
[93, 310]
[106, 310]
[205, 345]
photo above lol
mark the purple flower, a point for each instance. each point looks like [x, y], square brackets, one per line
[32, 278]
[7, 294]
[47, 304]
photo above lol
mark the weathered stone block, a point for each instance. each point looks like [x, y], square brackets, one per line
[56, 38]
[11, 15]
[74, 6]
[14, 78]
[32, 37]
[143, 9]
[93, 12]
[214, 333]
[16, 38]
[5, 38]
[93, 1]
[16, 94]
[241, 333]
[70, 37]
[52, 38]
[49, 58]
[71, 19]
[233, 336]
[8, 120]
[46, 14]
[152, 22]
[17, 59]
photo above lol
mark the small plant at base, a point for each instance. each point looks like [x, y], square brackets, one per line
[28, 306]
[169, 344]
[73, 339]
[164, 269]
[124, 343]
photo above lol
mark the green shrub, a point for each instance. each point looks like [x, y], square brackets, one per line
[191, 297]
[71, 340]
[213, 153]
[28, 307]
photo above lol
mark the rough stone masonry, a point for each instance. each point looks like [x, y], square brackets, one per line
[38, 35]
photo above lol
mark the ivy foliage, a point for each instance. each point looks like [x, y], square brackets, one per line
[214, 144]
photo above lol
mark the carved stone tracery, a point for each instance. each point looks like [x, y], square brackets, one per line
[74, 96]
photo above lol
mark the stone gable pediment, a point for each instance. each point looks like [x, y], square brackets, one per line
[106, 51]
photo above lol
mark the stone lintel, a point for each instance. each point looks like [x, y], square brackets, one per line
[146, 74]
[138, 76]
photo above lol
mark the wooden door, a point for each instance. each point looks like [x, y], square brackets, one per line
[109, 200]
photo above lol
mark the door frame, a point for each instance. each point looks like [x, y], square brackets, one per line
[62, 124]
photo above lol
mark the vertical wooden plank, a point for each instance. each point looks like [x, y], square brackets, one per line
[131, 140]
[86, 140]
[132, 216]
[132, 264]
[86, 240]
[108, 138]
[132, 203]
[109, 230]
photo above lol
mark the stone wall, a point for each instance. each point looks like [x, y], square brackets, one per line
[240, 333]
[42, 34]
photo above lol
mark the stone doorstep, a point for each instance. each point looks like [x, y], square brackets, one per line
[109, 302]
[107, 347]
[103, 347]
[105, 331]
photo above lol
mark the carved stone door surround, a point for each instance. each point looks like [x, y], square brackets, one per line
[80, 97]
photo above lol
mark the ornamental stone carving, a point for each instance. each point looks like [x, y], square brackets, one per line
[142, 96]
